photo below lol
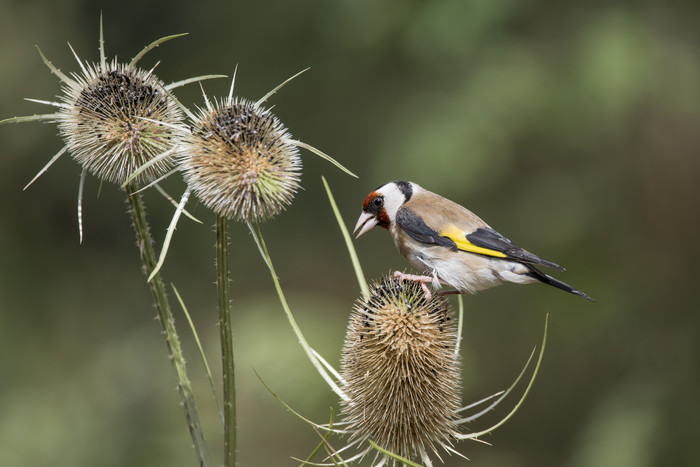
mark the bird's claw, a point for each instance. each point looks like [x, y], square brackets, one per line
[422, 280]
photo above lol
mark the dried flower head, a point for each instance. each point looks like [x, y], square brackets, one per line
[117, 117]
[118, 121]
[241, 161]
[401, 369]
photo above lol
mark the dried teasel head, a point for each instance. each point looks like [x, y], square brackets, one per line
[401, 370]
[116, 118]
[118, 121]
[241, 161]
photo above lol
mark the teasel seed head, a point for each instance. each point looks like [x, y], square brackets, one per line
[116, 118]
[401, 369]
[241, 161]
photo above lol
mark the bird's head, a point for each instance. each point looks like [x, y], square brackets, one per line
[381, 205]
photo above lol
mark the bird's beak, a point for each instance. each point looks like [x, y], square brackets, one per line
[365, 223]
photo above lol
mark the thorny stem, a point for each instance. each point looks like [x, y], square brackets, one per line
[165, 316]
[227, 362]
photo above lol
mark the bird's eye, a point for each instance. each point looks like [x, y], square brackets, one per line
[378, 202]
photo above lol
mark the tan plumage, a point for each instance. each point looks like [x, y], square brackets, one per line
[437, 211]
[448, 243]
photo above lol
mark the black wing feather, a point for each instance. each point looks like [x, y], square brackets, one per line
[418, 230]
[489, 238]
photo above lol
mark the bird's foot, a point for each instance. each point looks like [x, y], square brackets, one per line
[423, 280]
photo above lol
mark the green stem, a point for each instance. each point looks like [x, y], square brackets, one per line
[227, 362]
[348, 241]
[165, 316]
[310, 353]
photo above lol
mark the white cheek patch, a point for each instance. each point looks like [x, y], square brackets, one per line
[393, 200]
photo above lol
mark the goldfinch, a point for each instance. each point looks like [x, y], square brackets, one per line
[448, 243]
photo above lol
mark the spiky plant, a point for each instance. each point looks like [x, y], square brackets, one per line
[111, 121]
[238, 159]
[400, 369]
[118, 121]
[115, 118]
[241, 161]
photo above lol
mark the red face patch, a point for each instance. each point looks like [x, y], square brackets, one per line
[374, 204]
[369, 199]
[383, 219]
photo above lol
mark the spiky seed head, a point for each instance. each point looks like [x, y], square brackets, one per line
[116, 119]
[401, 370]
[241, 161]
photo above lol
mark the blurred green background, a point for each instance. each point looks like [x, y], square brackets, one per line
[571, 127]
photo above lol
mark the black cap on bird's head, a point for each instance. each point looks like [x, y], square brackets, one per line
[380, 206]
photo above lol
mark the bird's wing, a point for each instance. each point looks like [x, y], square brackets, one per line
[483, 241]
[417, 229]
[493, 241]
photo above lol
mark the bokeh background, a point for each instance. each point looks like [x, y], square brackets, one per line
[571, 127]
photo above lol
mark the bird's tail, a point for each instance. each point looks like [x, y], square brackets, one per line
[547, 279]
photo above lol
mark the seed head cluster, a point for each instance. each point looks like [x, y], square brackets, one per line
[401, 370]
[116, 119]
[241, 161]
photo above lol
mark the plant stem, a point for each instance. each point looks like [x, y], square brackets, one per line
[227, 362]
[348, 241]
[165, 316]
[310, 353]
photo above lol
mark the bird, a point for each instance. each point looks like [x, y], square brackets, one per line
[449, 244]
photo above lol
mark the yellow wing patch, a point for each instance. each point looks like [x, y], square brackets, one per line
[458, 236]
